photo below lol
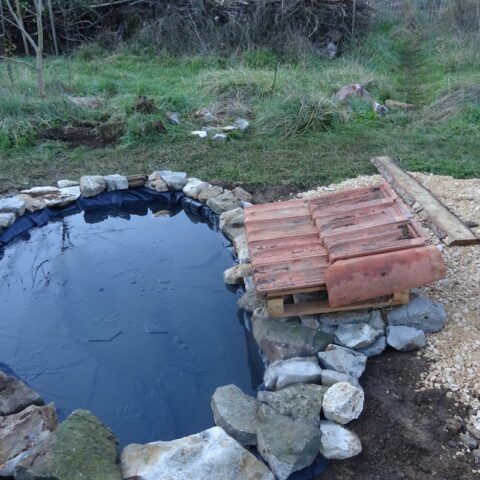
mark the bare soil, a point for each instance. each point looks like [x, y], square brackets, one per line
[80, 136]
[406, 434]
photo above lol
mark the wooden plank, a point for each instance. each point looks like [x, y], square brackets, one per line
[444, 220]
[322, 306]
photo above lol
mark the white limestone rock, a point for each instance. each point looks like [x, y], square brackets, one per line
[209, 455]
[223, 202]
[6, 220]
[92, 185]
[13, 205]
[337, 442]
[40, 191]
[343, 403]
[67, 183]
[331, 377]
[282, 373]
[209, 191]
[116, 182]
[193, 187]
[156, 182]
[236, 274]
[356, 335]
[242, 194]
[174, 180]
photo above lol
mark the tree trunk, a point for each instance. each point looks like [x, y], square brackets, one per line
[20, 21]
[52, 25]
[39, 49]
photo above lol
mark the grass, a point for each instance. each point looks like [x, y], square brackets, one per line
[299, 137]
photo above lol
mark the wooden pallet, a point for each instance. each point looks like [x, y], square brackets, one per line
[278, 306]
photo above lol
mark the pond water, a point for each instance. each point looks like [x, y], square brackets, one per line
[128, 316]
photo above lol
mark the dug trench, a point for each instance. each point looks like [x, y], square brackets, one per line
[406, 434]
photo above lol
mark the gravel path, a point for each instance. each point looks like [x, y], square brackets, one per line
[454, 353]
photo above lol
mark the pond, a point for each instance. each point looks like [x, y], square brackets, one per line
[125, 313]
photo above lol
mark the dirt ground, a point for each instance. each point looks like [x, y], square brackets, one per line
[417, 405]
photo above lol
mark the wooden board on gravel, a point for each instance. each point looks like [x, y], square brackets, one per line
[446, 224]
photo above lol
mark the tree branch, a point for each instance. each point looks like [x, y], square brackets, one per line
[19, 25]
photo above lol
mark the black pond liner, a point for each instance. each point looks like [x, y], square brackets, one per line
[125, 314]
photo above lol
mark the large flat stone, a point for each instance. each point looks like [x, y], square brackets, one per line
[375, 348]
[419, 313]
[236, 413]
[209, 455]
[235, 275]
[16, 395]
[331, 377]
[81, 448]
[340, 318]
[287, 445]
[282, 340]
[337, 442]
[193, 187]
[22, 433]
[343, 360]
[116, 182]
[6, 219]
[302, 401]
[13, 205]
[282, 373]
[156, 182]
[209, 191]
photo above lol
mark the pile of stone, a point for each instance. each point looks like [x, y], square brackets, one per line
[217, 132]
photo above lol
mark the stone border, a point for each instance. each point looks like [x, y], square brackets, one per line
[313, 364]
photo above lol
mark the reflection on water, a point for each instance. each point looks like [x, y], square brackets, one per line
[125, 313]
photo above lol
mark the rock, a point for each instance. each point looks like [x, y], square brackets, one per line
[241, 248]
[41, 191]
[13, 205]
[67, 183]
[223, 202]
[92, 185]
[473, 426]
[405, 339]
[209, 455]
[248, 282]
[241, 123]
[301, 401]
[394, 104]
[220, 137]
[282, 340]
[337, 442]
[233, 232]
[343, 403]
[376, 321]
[65, 197]
[476, 455]
[343, 360]
[236, 413]
[352, 90]
[469, 441]
[16, 395]
[193, 187]
[232, 218]
[22, 432]
[32, 204]
[199, 134]
[331, 377]
[242, 194]
[174, 180]
[156, 182]
[235, 274]
[419, 313]
[330, 51]
[81, 448]
[249, 301]
[341, 318]
[174, 118]
[282, 373]
[209, 191]
[6, 220]
[286, 445]
[356, 335]
[375, 348]
[116, 182]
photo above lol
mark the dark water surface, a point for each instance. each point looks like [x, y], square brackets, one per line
[128, 317]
